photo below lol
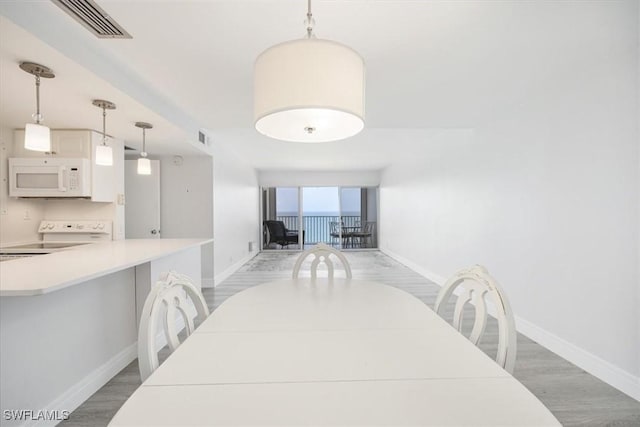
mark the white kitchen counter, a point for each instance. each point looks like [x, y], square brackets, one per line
[69, 320]
[43, 274]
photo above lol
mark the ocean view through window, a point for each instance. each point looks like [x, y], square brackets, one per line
[344, 217]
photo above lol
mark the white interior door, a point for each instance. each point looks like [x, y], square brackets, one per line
[142, 195]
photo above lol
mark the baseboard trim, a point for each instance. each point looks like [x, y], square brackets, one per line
[219, 278]
[599, 368]
[435, 278]
[594, 365]
[77, 394]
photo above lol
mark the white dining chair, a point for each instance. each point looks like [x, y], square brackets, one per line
[169, 298]
[476, 287]
[321, 254]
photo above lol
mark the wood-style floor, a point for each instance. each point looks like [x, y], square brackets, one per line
[573, 396]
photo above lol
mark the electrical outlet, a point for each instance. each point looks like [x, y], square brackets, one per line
[121, 200]
[27, 215]
[4, 211]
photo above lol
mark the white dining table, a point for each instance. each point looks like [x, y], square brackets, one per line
[329, 352]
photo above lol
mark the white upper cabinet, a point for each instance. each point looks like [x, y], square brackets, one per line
[69, 143]
[64, 143]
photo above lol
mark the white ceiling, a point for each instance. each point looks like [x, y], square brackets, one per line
[431, 65]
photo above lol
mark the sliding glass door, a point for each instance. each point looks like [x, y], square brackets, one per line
[350, 224]
[359, 217]
[321, 214]
[343, 217]
[281, 218]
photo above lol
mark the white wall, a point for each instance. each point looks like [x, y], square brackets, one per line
[19, 218]
[318, 178]
[547, 197]
[186, 200]
[235, 212]
[638, 175]
[211, 196]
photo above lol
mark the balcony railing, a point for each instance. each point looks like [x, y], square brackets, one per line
[316, 228]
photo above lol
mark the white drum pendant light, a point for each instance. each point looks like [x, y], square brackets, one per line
[104, 153]
[144, 164]
[36, 136]
[309, 90]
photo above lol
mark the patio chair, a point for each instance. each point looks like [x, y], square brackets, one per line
[279, 234]
[364, 236]
[334, 232]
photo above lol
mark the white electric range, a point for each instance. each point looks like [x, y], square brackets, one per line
[59, 236]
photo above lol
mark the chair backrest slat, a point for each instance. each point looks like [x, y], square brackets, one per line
[478, 286]
[170, 297]
[368, 227]
[321, 253]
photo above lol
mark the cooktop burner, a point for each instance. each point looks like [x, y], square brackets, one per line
[48, 245]
[59, 236]
[38, 248]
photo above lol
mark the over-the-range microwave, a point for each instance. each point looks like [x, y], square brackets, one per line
[49, 177]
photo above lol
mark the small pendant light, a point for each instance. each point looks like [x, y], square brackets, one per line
[144, 164]
[104, 153]
[36, 136]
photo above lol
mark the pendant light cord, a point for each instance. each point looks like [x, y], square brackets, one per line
[309, 20]
[104, 125]
[38, 117]
[144, 143]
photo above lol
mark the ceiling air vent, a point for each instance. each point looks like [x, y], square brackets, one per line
[96, 20]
